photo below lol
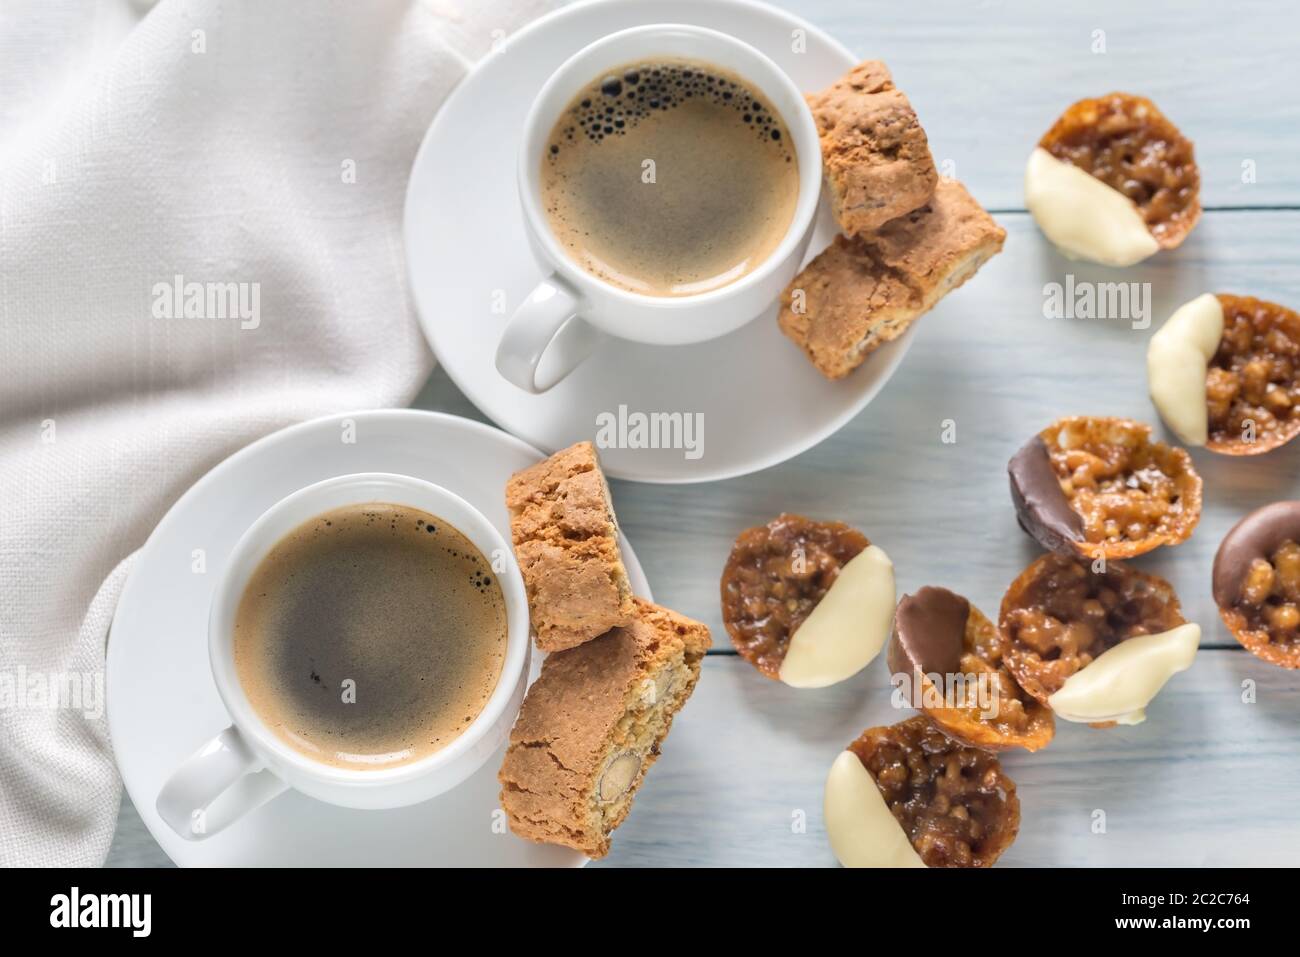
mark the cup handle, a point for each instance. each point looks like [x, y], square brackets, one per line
[216, 786]
[545, 324]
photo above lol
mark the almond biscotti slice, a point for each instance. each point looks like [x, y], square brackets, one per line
[862, 292]
[566, 540]
[592, 724]
[875, 153]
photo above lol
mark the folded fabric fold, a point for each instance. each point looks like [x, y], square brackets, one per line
[200, 242]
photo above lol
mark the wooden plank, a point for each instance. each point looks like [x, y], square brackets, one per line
[1207, 780]
[987, 80]
[988, 360]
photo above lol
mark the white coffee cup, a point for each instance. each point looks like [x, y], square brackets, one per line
[565, 316]
[248, 764]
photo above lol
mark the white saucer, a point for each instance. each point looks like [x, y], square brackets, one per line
[162, 703]
[761, 399]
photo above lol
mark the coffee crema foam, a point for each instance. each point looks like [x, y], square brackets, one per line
[371, 636]
[670, 178]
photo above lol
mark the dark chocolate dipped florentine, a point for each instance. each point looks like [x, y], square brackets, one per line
[1042, 508]
[1099, 487]
[1258, 535]
[929, 628]
[938, 634]
[1256, 583]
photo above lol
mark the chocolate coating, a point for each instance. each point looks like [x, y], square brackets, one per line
[1258, 535]
[929, 633]
[1041, 507]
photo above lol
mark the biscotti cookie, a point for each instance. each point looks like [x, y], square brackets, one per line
[566, 540]
[592, 725]
[876, 156]
[862, 292]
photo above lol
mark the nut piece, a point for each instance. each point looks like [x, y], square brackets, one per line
[566, 540]
[877, 159]
[1257, 583]
[1253, 382]
[1117, 494]
[775, 576]
[1127, 144]
[618, 776]
[946, 657]
[954, 803]
[1178, 358]
[860, 293]
[1060, 616]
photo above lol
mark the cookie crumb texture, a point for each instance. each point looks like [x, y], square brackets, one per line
[566, 541]
[874, 151]
[862, 292]
[592, 725]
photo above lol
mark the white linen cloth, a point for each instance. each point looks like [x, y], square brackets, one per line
[261, 143]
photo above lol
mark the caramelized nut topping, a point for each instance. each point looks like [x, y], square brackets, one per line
[1128, 144]
[1131, 494]
[954, 802]
[988, 709]
[774, 578]
[1266, 618]
[1252, 385]
[1059, 616]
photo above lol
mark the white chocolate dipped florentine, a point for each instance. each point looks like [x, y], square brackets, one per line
[861, 829]
[1119, 684]
[1177, 359]
[1082, 216]
[849, 626]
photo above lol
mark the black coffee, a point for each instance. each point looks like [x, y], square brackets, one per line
[371, 636]
[670, 178]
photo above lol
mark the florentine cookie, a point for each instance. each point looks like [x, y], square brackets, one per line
[1113, 181]
[863, 292]
[1099, 487]
[566, 540]
[946, 659]
[907, 795]
[876, 156]
[807, 603]
[1095, 646]
[1257, 583]
[592, 725]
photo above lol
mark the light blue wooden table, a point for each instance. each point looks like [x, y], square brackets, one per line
[1214, 774]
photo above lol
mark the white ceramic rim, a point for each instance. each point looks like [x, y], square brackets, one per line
[579, 70]
[257, 541]
[514, 423]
